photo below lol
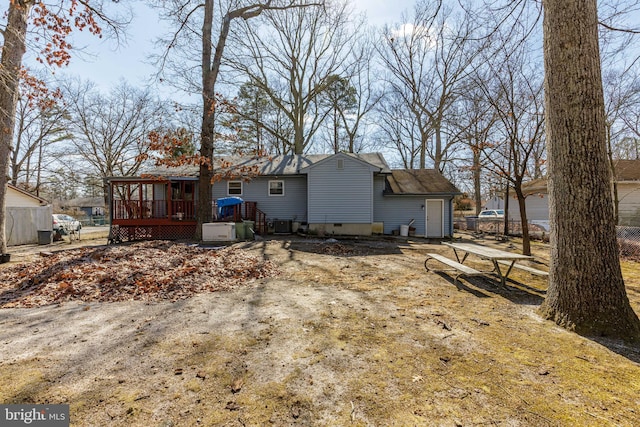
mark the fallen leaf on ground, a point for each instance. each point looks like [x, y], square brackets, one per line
[146, 271]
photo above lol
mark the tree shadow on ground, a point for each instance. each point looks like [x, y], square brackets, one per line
[630, 351]
[486, 286]
[520, 293]
[346, 248]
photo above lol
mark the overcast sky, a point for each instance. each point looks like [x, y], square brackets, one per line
[108, 66]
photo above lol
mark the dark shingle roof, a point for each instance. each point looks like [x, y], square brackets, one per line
[275, 165]
[419, 181]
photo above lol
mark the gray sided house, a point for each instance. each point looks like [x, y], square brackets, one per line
[346, 194]
[337, 194]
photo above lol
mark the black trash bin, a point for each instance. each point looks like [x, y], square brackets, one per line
[472, 223]
[45, 237]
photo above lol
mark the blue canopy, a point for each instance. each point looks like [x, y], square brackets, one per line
[229, 201]
[225, 206]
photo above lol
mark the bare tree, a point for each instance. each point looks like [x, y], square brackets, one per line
[476, 119]
[363, 94]
[39, 127]
[399, 130]
[109, 133]
[428, 61]
[586, 289]
[53, 21]
[512, 85]
[293, 57]
[195, 21]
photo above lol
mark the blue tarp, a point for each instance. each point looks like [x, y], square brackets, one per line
[229, 201]
[225, 206]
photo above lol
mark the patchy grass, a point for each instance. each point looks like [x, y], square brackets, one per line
[345, 336]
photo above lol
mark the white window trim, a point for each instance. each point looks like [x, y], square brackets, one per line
[235, 194]
[269, 188]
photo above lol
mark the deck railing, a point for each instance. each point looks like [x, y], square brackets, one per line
[183, 209]
[180, 210]
[153, 209]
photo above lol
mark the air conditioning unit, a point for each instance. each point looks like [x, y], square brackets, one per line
[282, 226]
[219, 232]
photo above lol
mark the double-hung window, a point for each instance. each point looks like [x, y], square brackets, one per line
[234, 188]
[276, 188]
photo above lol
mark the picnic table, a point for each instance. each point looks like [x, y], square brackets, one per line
[496, 256]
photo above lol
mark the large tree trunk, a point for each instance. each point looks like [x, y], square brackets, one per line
[586, 290]
[12, 52]
[210, 67]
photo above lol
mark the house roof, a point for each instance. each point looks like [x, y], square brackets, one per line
[271, 166]
[627, 170]
[83, 202]
[293, 164]
[373, 160]
[534, 186]
[40, 200]
[419, 181]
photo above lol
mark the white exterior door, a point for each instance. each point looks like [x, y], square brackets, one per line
[434, 218]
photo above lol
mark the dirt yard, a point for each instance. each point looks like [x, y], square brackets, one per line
[348, 333]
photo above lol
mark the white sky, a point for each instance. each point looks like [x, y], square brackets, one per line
[107, 66]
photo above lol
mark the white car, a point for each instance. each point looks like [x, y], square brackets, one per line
[65, 223]
[491, 214]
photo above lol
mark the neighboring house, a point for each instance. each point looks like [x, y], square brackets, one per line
[628, 184]
[536, 202]
[627, 181]
[89, 209]
[341, 194]
[26, 216]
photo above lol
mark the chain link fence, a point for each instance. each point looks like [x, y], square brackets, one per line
[628, 237]
[629, 242]
[495, 227]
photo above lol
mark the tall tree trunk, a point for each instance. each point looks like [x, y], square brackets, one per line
[586, 289]
[505, 220]
[437, 158]
[522, 208]
[336, 142]
[298, 133]
[12, 52]
[210, 68]
[477, 171]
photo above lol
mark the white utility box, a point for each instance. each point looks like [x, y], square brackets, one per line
[218, 231]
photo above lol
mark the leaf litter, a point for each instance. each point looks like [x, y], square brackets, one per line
[144, 271]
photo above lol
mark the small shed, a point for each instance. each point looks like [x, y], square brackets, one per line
[27, 217]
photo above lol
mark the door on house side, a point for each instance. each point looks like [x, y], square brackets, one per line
[434, 218]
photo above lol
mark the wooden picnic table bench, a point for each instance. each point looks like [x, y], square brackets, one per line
[527, 268]
[464, 270]
[495, 256]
